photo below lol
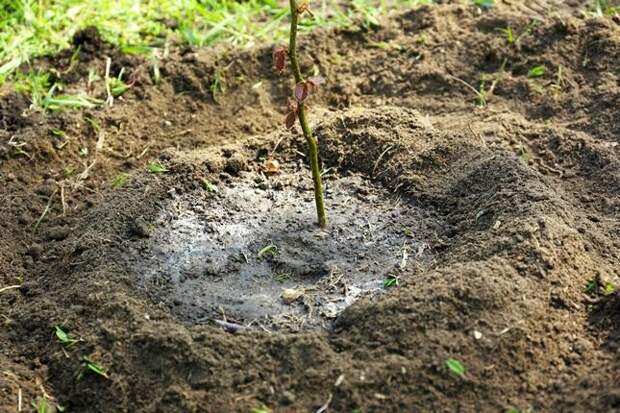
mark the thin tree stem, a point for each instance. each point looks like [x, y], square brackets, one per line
[313, 144]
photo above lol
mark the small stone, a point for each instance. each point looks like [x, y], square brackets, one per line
[57, 233]
[362, 191]
[234, 164]
[139, 228]
[35, 251]
[290, 295]
[271, 166]
[288, 397]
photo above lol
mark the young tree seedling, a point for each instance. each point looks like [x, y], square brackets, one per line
[297, 106]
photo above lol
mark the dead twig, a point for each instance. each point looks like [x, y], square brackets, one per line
[380, 157]
[62, 199]
[146, 148]
[110, 100]
[476, 135]
[230, 327]
[470, 87]
[326, 405]
[10, 287]
[46, 210]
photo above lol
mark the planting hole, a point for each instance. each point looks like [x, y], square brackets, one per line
[252, 253]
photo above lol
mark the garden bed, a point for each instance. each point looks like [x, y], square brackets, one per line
[479, 226]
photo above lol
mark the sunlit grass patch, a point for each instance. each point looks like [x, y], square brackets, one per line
[31, 28]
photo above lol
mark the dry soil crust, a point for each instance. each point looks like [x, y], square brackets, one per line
[518, 203]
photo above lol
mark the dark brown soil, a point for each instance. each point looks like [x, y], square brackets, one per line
[511, 211]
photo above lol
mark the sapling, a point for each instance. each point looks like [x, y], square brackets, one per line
[297, 105]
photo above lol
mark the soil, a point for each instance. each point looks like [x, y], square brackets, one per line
[506, 217]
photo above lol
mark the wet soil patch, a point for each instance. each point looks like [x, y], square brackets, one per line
[252, 252]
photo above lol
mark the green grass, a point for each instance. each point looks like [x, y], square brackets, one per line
[157, 168]
[208, 185]
[90, 366]
[485, 4]
[32, 28]
[120, 180]
[602, 8]
[536, 71]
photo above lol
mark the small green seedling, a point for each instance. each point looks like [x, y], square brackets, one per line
[120, 180]
[484, 4]
[281, 277]
[510, 38]
[56, 103]
[83, 152]
[65, 338]
[157, 168]
[94, 123]
[89, 365]
[605, 8]
[536, 71]
[517, 410]
[456, 367]
[523, 153]
[609, 288]
[268, 249]
[58, 132]
[407, 231]
[592, 286]
[117, 85]
[387, 45]
[93, 77]
[41, 405]
[217, 87]
[390, 281]
[208, 186]
[261, 409]
[68, 171]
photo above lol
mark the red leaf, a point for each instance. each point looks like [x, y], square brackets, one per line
[279, 58]
[290, 119]
[301, 91]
